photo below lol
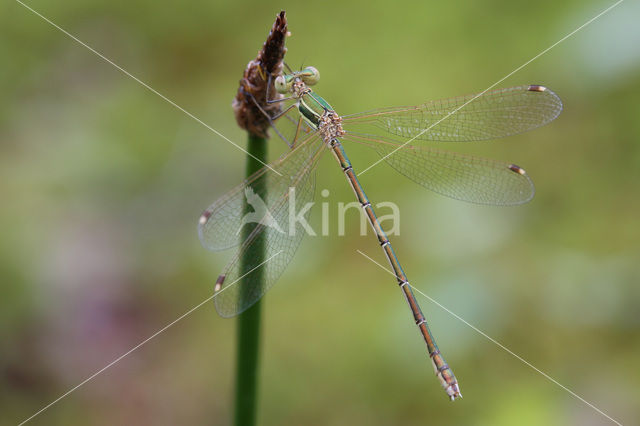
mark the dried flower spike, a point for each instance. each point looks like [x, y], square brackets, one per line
[252, 93]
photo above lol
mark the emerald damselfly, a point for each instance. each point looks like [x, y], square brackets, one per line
[316, 128]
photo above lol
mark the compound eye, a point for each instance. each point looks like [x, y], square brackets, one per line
[281, 84]
[310, 75]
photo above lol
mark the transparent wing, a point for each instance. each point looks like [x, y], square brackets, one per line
[257, 213]
[219, 224]
[290, 126]
[492, 115]
[459, 176]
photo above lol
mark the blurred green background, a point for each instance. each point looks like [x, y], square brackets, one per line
[102, 183]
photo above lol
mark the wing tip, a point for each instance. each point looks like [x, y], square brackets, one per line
[557, 101]
[517, 169]
[202, 221]
[532, 190]
[204, 217]
[536, 88]
[219, 283]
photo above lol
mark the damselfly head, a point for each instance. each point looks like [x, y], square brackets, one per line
[310, 76]
[283, 83]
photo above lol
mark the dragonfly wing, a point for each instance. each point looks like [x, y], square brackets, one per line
[463, 177]
[220, 223]
[489, 115]
[262, 223]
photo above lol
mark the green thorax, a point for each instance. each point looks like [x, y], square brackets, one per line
[312, 107]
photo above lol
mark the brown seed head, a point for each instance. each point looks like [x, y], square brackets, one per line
[253, 86]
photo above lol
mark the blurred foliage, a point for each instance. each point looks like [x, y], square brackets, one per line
[102, 183]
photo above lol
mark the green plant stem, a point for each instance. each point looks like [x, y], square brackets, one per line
[248, 349]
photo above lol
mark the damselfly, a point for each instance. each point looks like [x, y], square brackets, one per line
[316, 128]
